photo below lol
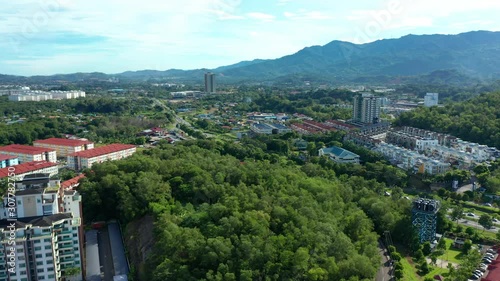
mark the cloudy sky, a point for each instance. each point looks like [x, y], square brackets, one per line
[64, 36]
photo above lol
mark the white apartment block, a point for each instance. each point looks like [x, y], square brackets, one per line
[85, 159]
[64, 147]
[26, 153]
[47, 232]
[30, 95]
[20, 171]
[431, 99]
[423, 144]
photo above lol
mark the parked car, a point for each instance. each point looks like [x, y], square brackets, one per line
[471, 215]
[488, 204]
[491, 251]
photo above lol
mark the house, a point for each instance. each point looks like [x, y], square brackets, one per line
[339, 155]
[8, 160]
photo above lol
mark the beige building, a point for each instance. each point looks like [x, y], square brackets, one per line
[64, 147]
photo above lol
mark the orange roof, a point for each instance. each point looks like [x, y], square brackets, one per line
[63, 142]
[25, 149]
[72, 182]
[103, 150]
[25, 168]
[6, 157]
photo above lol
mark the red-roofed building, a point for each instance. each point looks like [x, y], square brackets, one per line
[64, 147]
[85, 159]
[27, 153]
[340, 125]
[8, 160]
[18, 172]
[72, 183]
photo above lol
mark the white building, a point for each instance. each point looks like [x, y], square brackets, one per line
[422, 144]
[64, 147]
[366, 108]
[20, 171]
[30, 95]
[27, 153]
[85, 159]
[431, 99]
[47, 234]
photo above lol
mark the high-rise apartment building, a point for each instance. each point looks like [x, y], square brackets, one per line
[366, 109]
[431, 99]
[209, 82]
[41, 232]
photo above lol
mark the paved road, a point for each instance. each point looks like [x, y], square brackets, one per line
[383, 273]
[105, 255]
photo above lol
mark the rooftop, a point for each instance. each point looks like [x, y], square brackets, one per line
[6, 157]
[72, 182]
[24, 149]
[339, 152]
[42, 221]
[103, 150]
[25, 168]
[63, 142]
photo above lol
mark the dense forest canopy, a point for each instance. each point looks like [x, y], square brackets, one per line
[218, 218]
[476, 120]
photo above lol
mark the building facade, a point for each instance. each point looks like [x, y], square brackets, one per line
[64, 147]
[20, 171]
[431, 99]
[47, 234]
[209, 82]
[26, 153]
[85, 159]
[366, 108]
[8, 161]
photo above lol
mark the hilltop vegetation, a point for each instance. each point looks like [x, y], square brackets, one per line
[217, 218]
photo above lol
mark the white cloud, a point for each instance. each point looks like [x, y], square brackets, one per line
[261, 16]
[308, 15]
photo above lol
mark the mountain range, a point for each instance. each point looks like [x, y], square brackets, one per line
[472, 55]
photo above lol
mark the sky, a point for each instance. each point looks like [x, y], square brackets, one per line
[44, 37]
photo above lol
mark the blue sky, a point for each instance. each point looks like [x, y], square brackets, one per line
[45, 37]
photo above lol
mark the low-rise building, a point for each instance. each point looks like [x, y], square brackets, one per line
[27, 153]
[339, 155]
[18, 172]
[85, 159]
[268, 129]
[64, 147]
[8, 160]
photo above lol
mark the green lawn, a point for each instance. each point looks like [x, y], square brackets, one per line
[451, 254]
[409, 272]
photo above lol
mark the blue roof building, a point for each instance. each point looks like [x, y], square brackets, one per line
[339, 155]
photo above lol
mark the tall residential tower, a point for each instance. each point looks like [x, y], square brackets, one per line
[366, 109]
[209, 82]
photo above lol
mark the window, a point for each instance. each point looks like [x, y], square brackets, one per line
[39, 262]
[47, 240]
[48, 247]
[41, 277]
[38, 256]
[51, 276]
[36, 241]
[50, 262]
[75, 234]
[38, 248]
[20, 250]
[48, 254]
[50, 269]
[40, 270]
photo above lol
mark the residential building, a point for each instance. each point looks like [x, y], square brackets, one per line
[30, 95]
[268, 129]
[340, 125]
[85, 159]
[366, 108]
[431, 99]
[8, 160]
[47, 232]
[27, 153]
[339, 155]
[20, 171]
[64, 147]
[209, 82]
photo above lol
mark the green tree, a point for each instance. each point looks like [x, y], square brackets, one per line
[485, 221]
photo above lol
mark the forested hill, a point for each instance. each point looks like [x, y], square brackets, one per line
[476, 120]
[217, 218]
